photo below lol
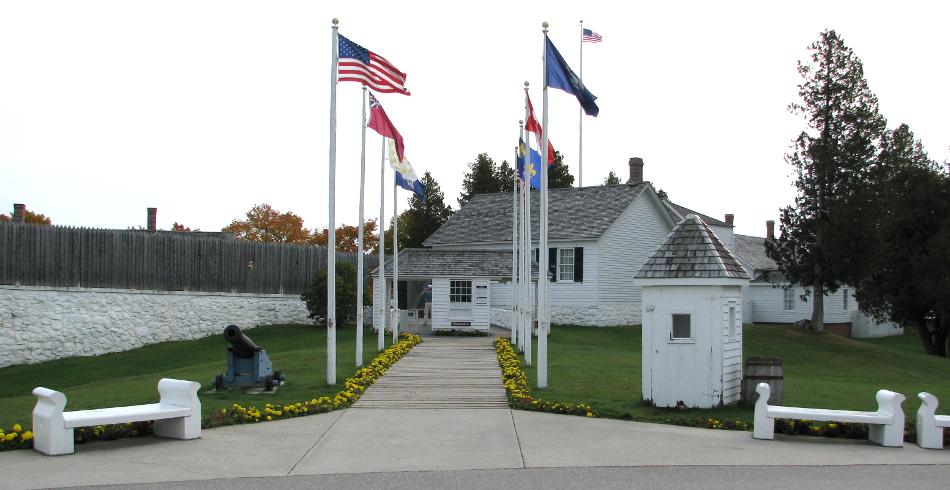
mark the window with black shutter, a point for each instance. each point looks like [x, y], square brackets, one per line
[552, 263]
[578, 264]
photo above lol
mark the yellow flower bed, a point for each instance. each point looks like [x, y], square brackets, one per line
[15, 438]
[516, 385]
[353, 388]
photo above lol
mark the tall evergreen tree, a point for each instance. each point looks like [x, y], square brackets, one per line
[905, 279]
[612, 179]
[831, 159]
[505, 176]
[481, 178]
[424, 216]
[559, 176]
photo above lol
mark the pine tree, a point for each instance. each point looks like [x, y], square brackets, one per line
[905, 278]
[559, 176]
[423, 216]
[481, 178]
[612, 179]
[831, 159]
[505, 176]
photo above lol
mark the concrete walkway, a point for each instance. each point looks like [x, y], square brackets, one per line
[414, 437]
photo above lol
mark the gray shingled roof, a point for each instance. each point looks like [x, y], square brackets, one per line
[575, 213]
[682, 211]
[750, 250]
[427, 262]
[692, 250]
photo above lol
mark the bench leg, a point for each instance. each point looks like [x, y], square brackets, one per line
[929, 436]
[179, 428]
[50, 435]
[888, 435]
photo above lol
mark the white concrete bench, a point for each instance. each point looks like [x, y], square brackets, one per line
[177, 415]
[929, 425]
[885, 426]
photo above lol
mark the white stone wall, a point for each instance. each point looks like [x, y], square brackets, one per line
[588, 316]
[40, 324]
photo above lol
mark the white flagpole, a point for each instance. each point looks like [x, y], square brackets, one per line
[580, 119]
[543, 313]
[515, 223]
[331, 228]
[517, 309]
[395, 264]
[359, 245]
[381, 334]
[525, 321]
[526, 333]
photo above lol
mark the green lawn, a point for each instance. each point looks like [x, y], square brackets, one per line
[129, 378]
[601, 366]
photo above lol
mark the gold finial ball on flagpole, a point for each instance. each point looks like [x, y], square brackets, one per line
[335, 21]
[545, 24]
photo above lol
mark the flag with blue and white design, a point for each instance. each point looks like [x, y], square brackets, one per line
[529, 171]
[405, 175]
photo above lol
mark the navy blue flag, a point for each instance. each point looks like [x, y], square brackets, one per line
[530, 172]
[559, 75]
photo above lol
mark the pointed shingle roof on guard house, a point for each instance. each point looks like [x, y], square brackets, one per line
[692, 250]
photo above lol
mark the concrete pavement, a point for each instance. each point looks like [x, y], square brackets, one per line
[442, 441]
[394, 440]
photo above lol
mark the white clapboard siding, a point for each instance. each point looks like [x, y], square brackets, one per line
[501, 294]
[440, 303]
[731, 352]
[625, 247]
[768, 305]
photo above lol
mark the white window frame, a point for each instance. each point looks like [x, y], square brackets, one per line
[788, 300]
[565, 271]
[459, 290]
[692, 331]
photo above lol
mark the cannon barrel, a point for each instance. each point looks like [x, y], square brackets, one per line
[242, 345]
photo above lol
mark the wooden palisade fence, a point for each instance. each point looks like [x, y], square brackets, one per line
[57, 256]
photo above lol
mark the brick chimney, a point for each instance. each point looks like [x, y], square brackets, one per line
[636, 170]
[19, 213]
[152, 218]
[770, 229]
[730, 219]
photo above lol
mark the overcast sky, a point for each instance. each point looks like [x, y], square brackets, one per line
[206, 108]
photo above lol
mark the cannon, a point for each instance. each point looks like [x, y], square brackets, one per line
[248, 364]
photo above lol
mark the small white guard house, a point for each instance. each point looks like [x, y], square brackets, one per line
[461, 285]
[692, 320]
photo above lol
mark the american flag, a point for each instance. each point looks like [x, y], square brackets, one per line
[591, 37]
[358, 64]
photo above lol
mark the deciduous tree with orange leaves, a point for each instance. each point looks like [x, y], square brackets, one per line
[347, 235]
[266, 224]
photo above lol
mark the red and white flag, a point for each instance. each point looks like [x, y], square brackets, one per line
[533, 126]
[379, 122]
[358, 64]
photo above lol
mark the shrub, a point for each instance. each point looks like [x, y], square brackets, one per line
[315, 296]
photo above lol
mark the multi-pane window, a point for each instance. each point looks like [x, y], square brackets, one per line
[789, 299]
[565, 264]
[844, 298]
[460, 291]
[681, 326]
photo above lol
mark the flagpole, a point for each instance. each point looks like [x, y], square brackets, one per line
[331, 228]
[580, 122]
[395, 264]
[525, 323]
[543, 313]
[381, 333]
[526, 335]
[515, 222]
[359, 243]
